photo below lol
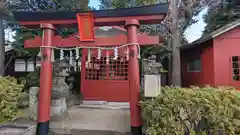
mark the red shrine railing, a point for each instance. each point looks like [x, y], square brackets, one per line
[105, 78]
[97, 69]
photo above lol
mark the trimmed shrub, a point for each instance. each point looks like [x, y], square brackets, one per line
[10, 92]
[192, 111]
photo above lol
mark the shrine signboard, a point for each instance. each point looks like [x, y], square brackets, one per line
[85, 26]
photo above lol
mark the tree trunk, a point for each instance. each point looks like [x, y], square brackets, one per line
[2, 47]
[176, 60]
[170, 64]
[175, 43]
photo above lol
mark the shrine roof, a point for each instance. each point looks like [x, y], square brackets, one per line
[158, 9]
[209, 36]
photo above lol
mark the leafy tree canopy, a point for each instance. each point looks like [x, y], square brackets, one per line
[41, 6]
[112, 4]
[220, 15]
[49, 5]
[161, 51]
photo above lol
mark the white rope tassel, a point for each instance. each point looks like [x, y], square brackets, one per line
[91, 47]
[107, 58]
[100, 50]
[115, 53]
[127, 54]
[71, 58]
[122, 59]
[52, 57]
[86, 64]
[77, 53]
[89, 55]
[139, 52]
[61, 54]
[99, 53]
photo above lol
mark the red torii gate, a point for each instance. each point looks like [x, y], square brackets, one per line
[130, 18]
[73, 41]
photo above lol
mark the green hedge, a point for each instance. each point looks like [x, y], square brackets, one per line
[10, 92]
[192, 111]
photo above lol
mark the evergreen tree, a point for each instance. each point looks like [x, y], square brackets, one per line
[161, 52]
[43, 6]
[50, 5]
[4, 13]
[178, 18]
[220, 15]
[112, 4]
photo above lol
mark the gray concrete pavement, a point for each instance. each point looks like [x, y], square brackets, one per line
[97, 120]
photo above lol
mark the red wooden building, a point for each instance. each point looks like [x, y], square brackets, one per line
[213, 59]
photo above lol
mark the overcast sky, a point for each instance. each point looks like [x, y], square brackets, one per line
[192, 33]
[94, 3]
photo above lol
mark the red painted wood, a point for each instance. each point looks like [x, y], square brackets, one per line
[226, 46]
[133, 72]
[207, 57]
[103, 90]
[106, 90]
[216, 63]
[33, 43]
[111, 21]
[195, 76]
[111, 91]
[73, 41]
[206, 76]
[85, 26]
[46, 76]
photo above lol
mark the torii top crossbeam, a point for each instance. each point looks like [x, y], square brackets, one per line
[152, 14]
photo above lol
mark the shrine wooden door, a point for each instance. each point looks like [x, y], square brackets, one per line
[105, 79]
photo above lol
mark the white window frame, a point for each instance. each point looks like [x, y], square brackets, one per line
[30, 65]
[19, 62]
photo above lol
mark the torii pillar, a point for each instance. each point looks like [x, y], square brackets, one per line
[134, 79]
[45, 80]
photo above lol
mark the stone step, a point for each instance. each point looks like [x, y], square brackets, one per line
[92, 121]
[90, 132]
[85, 132]
[105, 105]
[19, 126]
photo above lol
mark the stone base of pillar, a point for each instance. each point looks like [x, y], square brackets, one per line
[59, 104]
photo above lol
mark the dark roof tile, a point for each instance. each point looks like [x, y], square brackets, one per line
[212, 35]
[68, 15]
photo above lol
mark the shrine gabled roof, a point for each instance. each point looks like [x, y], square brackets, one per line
[107, 31]
[158, 9]
[212, 35]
